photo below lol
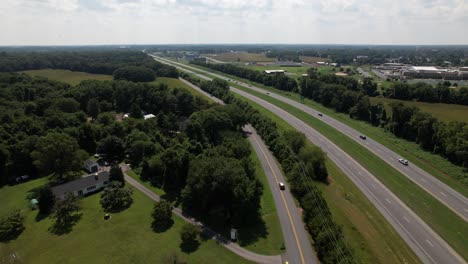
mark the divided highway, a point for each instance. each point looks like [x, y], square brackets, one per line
[429, 246]
[442, 192]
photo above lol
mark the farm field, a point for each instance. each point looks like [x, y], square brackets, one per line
[129, 232]
[443, 112]
[70, 77]
[240, 57]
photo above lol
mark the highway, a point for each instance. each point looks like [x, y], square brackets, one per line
[298, 246]
[439, 190]
[429, 246]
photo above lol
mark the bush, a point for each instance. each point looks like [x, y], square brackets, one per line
[116, 198]
[190, 237]
[11, 226]
[162, 215]
[46, 200]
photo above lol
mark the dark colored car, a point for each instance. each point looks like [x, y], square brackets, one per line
[362, 137]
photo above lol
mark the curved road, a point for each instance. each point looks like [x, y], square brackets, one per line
[429, 246]
[442, 192]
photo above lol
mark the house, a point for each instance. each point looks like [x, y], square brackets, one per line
[274, 71]
[91, 166]
[82, 186]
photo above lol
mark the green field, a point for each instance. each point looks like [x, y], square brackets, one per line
[240, 57]
[443, 112]
[126, 238]
[272, 241]
[67, 76]
[369, 235]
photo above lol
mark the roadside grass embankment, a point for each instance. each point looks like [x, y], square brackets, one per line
[70, 77]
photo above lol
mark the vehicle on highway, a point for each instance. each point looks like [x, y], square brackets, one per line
[268, 93]
[403, 161]
[362, 137]
[281, 185]
[320, 114]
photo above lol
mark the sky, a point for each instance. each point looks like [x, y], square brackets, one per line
[101, 22]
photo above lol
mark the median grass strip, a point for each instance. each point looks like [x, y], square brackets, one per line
[126, 238]
[369, 235]
[434, 164]
[447, 224]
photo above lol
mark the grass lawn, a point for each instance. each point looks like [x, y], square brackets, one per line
[126, 238]
[309, 59]
[369, 235]
[269, 239]
[240, 57]
[70, 77]
[173, 83]
[443, 112]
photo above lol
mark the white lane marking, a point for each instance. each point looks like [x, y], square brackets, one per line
[422, 179]
[443, 194]
[373, 185]
[388, 201]
[406, 219]
[429, 242]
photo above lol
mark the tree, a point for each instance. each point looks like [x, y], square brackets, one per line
[59, 154]
[112, 147]
[46, 200]
[116, 175]
[115, 198]
[93, 108]
[162, 215]
[11, 226]
[189, 235]
[134, 74]
[65, 213]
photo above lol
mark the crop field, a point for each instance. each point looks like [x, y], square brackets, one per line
[443, 112]
[128, 232]
[70, 77]
[240, 57]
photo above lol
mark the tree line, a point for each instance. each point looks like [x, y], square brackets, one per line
[98, 62]
[303, 165]
[279, 81]
[448, 139]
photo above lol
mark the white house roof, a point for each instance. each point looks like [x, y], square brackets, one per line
[274, 71]
[425, 68]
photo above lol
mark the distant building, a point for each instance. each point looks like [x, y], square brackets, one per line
[82, 186]
[91, 166]
[274, 71]
[341, 74]
[148, 116]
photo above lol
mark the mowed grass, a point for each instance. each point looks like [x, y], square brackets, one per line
[443, 112]
[173, 83]
[434, 164]
[70, 77]
[369, 235]
[240, 57]
[126, 238]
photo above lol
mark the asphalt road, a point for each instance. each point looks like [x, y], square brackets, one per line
[298, 246]
[429, 246]
[235, 248]
[439, 190]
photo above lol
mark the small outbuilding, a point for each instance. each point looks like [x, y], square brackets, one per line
[91, 166]
[34, 203]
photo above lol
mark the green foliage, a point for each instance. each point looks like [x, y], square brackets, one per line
[11, 226]
[65, 214]
[59, 154]
[162, 215]
[112, 147]
[134, 74]
[93, 108]
[190, 236]
[46, 200]
[116, 198]
[116, 175]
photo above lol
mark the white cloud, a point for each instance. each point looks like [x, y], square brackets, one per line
[58, 22]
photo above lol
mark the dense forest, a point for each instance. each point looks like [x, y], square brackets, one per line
[449, 139]
[99, 62]
[279, 81]
[303, 164]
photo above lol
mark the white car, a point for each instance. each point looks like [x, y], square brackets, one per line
[281, 185]
[403, 161]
